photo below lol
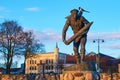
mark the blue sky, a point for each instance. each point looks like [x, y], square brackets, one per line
[46, 18]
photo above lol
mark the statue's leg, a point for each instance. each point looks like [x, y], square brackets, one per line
[82, 50]
[75, 48]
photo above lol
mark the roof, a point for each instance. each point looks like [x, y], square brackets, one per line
[103, 57]
[63, 53]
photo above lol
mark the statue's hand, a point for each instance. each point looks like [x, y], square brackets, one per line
[65, 42]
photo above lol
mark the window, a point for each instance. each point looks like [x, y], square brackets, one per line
[51, 61]
[46, 61]
[30, 62]
[46, 67]
[35, 61]
[30, 67]
[52, 67]
[40, 61]
[33, 68]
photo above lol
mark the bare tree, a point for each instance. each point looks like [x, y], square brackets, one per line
[32, 45]
[14, 41]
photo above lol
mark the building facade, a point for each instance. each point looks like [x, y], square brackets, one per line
[107, 63]
[36, 63]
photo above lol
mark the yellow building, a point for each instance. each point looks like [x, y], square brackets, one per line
[36, 62]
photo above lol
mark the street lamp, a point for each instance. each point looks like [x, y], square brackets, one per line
[98, 55]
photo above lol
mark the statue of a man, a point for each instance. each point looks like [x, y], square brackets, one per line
[76, 21]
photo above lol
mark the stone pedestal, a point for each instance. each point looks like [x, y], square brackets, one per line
[119, 68]
[84, 70]
[84, 66]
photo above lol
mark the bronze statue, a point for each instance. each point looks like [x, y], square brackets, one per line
[80, 27]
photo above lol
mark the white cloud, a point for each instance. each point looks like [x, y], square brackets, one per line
[32, 9]
[48, 35]
[104, 35]
[51, 35]
[112, 39]
[113, 46]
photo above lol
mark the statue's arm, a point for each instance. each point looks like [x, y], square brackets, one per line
[65, 28]
[85, 21]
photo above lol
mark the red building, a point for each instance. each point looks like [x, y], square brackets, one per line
[107, 63]
[70, 59]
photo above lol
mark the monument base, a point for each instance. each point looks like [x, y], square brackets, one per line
[84, 66]
[84, 70]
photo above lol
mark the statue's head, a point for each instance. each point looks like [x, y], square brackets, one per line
[74, 10]
[74, 13]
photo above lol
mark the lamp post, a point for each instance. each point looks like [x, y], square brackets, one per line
[98, 55]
